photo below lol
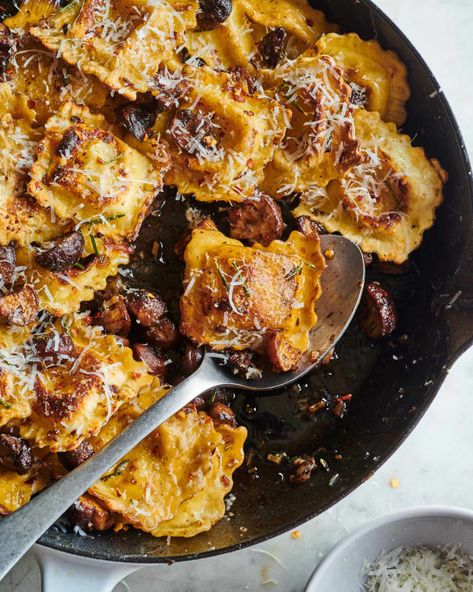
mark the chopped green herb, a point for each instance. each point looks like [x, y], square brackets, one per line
[244, 286]
[114, 159]
[94, 244]
[5, 404]
[221, 274]
[118, 470]
[65, 326]
[79, 266]
[214, 396]
[68, 5]
[100, 219]
[296, 270]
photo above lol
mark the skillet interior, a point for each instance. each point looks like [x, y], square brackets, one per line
[392, 382]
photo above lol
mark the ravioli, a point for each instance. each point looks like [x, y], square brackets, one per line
[174, 482]
[29, 13]
[62, 293]
[122, 43]
[17, 490]
[85, 173]
[61, 404]
[320, 144]
[21, 218]
[231, 290]
[48, 82]
[386, 203]
[378, 76]
[236, 41]
[235, 135]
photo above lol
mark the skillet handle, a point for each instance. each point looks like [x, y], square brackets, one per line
[457, 304]
[61, 571]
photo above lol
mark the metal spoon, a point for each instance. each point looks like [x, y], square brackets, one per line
[342, 282]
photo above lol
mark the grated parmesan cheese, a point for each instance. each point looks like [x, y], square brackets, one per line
[420, 569]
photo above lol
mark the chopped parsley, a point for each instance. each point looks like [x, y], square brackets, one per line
[118, 470]
[242, 279]
[5, 404]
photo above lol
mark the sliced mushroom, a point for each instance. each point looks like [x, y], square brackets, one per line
[154, 359]
[256, 221]
[61, 253]
[212, 13]
[15, 454]
[377, 313]
[146, 307]
[283, 356]
[221, 413]
[73, 458]
[273, 47]
[7, 264]
[89, 514]
[114, 318]
[163, 335]
[19, 308]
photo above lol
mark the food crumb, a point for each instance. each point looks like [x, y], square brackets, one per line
[296, 534]
[394, 483]
[329, 254]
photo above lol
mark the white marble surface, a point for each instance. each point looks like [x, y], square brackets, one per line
[433, 466]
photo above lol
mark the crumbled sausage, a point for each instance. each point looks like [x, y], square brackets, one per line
[61, 253]
[89, 514]
[154, 359]
[189, 129]
[7, 264]
[15, 454]
[53, 348]
[137, 119]
[283, 356]
[73, 458]
[163, 335]
[377, 313]
[221, 413]
[303, 470]
[147, 308]
[167, 92]
[256, 221]
[19, 308]
[273, 47]
[114, 317]
[212, 13]
[69, 141]
[191, 358]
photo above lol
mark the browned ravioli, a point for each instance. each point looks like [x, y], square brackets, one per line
[257, 298]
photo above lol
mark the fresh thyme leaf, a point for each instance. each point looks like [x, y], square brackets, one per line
[114, 159]
[221, 274]
[100, 219]
[79, 266]
[68, 5]
[65, 326]
[296, 270]
[118, 470]
[244, 286]
[5, 404]
[94, 244]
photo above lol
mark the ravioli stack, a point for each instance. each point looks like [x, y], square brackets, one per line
[102, 104]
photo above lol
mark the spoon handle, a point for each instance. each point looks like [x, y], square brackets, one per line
[21, 529]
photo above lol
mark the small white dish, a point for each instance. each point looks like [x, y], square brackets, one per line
[341, 569]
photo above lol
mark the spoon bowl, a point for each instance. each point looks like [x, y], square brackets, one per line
[342, 284]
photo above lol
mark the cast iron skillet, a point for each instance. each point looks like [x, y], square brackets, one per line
[393, 382]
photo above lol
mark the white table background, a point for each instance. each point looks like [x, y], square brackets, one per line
[433, 466]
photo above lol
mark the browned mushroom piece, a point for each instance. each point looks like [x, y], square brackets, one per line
[154, 359]
[15, 454]
[282, 355]
[7, 264]
[190, 129]
[191, 358]
[89, 514]
[163, 335]
[114, 317]
[19, 308]
[273, 47]
[146, 307]
[377, 313]
[73, 458]
[259, 220]
[304, 468]
[308, 227]
[168, 92]
[212, 13]
[221, 413]
[54, 348]
[70, 140]
[61, 253]
[137, 119]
